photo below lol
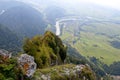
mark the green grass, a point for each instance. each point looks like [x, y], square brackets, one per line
[103, 27]
[64, 72]
[86, 46]
[55, 68]
[89, 43]
[54, 72]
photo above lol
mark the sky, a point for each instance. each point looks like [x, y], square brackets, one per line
[109, 3]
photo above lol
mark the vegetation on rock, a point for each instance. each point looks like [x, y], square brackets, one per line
[65, 72]
[47, 49]
[9, 69]
[49, 53]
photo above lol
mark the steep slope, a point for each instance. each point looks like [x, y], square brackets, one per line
[47, 49]
[9, 40]
[6, 4]
[49, 53]
[23, 20]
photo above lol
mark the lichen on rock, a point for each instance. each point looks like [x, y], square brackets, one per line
[27, 64]
[5, 54]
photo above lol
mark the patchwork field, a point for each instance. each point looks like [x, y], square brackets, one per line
[91, 37]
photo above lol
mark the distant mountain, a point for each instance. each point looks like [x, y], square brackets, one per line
[23, 19]
[54, 12]
[9, 40]
[90, 9]
[6, 4]
[76, 8]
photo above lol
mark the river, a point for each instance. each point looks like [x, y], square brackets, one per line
[57, 25]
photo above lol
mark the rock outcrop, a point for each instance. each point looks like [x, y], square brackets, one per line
[65, 72]
[4, 55]
[27, 64]
[48, 50]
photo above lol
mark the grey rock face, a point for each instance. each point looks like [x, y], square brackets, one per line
[27, 64]
[5, 54]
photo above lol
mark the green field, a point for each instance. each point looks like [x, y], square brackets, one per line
[94, 39]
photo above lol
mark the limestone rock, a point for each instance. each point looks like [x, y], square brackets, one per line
[27, 64]
[5, 54]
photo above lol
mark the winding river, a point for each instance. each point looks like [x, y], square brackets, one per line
[57, 25]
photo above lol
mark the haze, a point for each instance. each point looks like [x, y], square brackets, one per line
[107, 3]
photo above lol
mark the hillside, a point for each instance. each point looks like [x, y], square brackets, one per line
[47, 49]
[93, 37]
[9, 40]
[43, 58]
[87, 39]
[23, 19]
